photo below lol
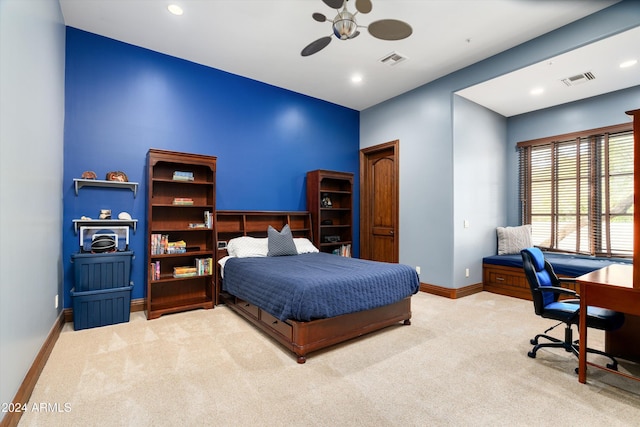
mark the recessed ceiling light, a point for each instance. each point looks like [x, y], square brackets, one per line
[175, 9]
[356, 78]
[629, 63]
[537, 91]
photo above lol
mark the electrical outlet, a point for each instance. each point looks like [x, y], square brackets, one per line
[466, 272]
[418, 269]
[55, 303]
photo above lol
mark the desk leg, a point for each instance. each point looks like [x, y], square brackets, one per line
[582, 353]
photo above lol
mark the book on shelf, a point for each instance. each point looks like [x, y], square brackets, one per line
[178, 247]
[159, 243]
[343, 250]
[184, 272]
[346, 250]
[154, 270]
[183, 201]
[182, 176]
[204, 266]
[208, 221]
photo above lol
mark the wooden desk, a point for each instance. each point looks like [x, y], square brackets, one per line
[610, 287]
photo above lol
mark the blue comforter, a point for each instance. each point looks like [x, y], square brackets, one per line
[317, 285]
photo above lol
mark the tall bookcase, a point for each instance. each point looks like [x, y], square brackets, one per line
[330, 202]
[181, 190]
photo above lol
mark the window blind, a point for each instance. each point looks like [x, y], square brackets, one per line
[576, 191]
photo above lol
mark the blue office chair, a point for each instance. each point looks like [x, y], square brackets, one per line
[546, 289]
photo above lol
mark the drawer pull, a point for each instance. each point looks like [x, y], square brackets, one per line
[247, 305]
[500, 278]
[275, 322]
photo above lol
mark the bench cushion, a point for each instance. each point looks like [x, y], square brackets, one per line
[563, 264]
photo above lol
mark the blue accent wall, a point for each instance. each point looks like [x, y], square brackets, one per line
[122, 100]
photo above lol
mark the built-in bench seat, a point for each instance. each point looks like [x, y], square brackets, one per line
[503, 274]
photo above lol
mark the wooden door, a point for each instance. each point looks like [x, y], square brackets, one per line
[379, 203]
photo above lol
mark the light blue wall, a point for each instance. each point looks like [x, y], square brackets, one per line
[422, 124]
[430, 182]
[32, 39]
[122, 100]
[592, 113]
[479, 133]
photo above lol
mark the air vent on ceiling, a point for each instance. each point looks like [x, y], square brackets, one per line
[393, 58]
[578, 79]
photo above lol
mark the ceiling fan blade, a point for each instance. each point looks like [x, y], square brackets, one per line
[363, 6]
[316, 46]
[390, 29]
[334, 4]
[319, 17]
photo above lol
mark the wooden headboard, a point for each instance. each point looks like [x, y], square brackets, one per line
[230, 224]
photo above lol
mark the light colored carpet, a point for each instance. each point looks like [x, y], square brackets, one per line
[461, 362]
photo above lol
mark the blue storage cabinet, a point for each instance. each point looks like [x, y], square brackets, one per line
[94, 272]
[100, 308]
[102, 289]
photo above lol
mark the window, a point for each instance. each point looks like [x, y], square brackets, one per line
[576, 191]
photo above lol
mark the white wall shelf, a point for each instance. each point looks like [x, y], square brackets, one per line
[81, 182]
[77, 223]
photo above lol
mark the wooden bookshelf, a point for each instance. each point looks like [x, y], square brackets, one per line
[330, 202]
[168, 215]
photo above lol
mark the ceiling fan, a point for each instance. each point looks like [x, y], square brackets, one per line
[345, 26]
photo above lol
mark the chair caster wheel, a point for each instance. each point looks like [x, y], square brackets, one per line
[612, 366]
[577, 370]
[533, 341]
[531, 354]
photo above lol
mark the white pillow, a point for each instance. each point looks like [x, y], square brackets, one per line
[222, 261]
[247, 246]
[304, 246]
[511, 240]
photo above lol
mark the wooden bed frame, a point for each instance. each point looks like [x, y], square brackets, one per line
[299, 337]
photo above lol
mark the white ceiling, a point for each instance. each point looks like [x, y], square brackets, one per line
[510, 94]
[262, 40]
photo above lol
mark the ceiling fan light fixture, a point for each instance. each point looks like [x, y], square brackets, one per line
[344, 25]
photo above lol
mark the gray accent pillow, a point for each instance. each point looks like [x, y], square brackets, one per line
[511, 240]
[281, 243]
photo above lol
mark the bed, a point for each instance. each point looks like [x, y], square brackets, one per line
[307, 300]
